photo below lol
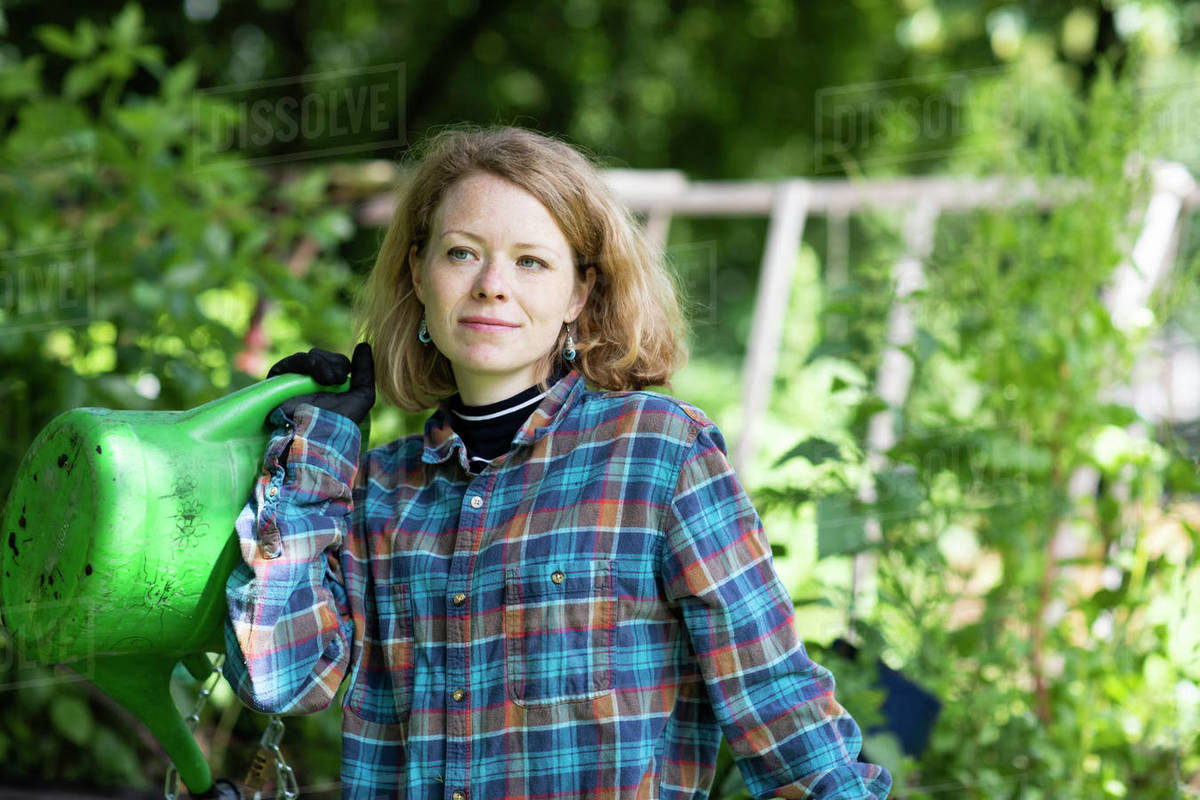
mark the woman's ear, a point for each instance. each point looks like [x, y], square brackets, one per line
[414, 268]
[583, 289]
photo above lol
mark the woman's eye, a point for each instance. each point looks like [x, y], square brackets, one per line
[530, 262]
[459, 253]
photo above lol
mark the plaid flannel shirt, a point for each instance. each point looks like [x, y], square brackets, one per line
[583, 618]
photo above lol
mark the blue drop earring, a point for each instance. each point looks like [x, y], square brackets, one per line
[423, 332]
[569, 348]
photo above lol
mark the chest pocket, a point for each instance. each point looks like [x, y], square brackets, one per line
[559, 624]
[381, 688]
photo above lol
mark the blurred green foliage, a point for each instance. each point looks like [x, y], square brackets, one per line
[1053, 626]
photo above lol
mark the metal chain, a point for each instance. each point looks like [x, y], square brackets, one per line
[171, 784]
[286, 787]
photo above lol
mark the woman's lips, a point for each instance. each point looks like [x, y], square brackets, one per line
[482, 324]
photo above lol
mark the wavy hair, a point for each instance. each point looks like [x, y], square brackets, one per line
[631, 333]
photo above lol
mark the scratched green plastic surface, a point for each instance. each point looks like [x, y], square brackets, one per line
[119, 539]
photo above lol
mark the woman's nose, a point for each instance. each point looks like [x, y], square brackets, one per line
[491, 280]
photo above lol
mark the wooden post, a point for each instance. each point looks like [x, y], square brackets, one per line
[784, 235]
[1133, 282]
[893, 381]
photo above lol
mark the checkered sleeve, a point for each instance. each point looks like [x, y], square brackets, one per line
[289, 630]
[789, 735]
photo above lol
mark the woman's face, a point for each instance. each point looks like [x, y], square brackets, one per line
[498, 280]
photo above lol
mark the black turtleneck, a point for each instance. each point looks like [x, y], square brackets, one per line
[488, 430]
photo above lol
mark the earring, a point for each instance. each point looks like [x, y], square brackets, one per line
[423, 332]
[569, 348]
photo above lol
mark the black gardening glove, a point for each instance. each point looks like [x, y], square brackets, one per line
[330, 369]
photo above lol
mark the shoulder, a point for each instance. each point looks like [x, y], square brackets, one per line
[648, 413]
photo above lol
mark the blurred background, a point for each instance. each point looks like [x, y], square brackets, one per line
[941, 276]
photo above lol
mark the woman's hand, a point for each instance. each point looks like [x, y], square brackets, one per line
[330, 369]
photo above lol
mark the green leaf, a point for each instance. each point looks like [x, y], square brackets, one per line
[218, 241]
[1115, 414]
[150, 57]
[333, 225]
[814, 450]
[117, 759]
[72, 718]
[21, 80]
[926, 344]
[841, 526]
[86, 37]
[127, 27]
[59, 40]
[180, 80]
[82, 80]
[871, 405]
[147, 122]
[898, 494]
[829, 348]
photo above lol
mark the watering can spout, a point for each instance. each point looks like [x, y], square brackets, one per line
[123, 574]
[142, 684]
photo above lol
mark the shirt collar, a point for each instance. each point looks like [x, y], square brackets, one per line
[441, 441]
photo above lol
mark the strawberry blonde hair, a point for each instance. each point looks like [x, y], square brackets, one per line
[631, 331]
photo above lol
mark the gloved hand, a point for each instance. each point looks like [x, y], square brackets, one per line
[330, 369]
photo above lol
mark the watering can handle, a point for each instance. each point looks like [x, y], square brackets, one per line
[242, 414]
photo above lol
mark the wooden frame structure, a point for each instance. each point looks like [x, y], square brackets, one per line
[921, 201]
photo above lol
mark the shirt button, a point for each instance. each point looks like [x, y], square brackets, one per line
[274, 490]
[558, 577]
[459, 796]
[459, 599]
[459, 694]
[476, 501]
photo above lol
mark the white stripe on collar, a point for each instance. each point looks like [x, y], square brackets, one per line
[501, 413]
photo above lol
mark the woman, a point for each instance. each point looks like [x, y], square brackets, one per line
[555, 591]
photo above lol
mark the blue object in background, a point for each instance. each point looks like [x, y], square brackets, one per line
[910, 711]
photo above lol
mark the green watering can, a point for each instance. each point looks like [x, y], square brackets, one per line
[119, 539]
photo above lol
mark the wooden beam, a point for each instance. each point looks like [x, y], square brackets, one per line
[669, 192]
[784, 235]
[1135, 279]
